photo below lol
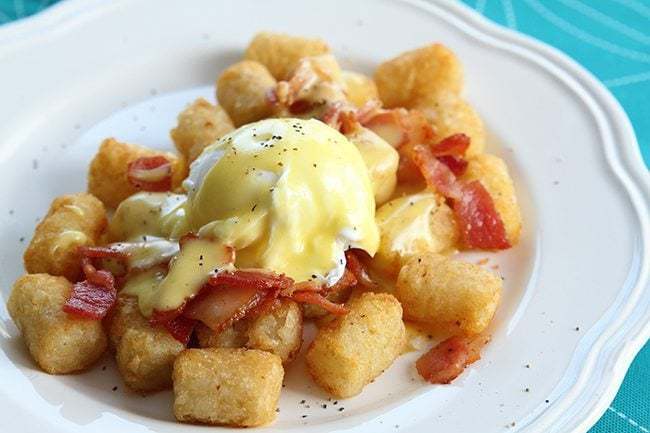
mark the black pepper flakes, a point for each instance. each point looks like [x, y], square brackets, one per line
[341, 409]
[114, 388]
[22, 239]
[303, 401]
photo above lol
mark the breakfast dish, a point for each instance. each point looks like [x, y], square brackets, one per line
[309, 193]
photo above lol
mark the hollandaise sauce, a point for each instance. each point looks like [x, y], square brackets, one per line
[287, 195]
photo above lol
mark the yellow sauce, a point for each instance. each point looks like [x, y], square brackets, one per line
[410, 225]
[189, 270]
[159, 214]
[145, 286]
[291, 195]
[67, 238]
[381, 160]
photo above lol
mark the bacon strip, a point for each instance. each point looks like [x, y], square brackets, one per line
[356, 268]
[219, 307]
[151, 173]
[454, 145]
[254, 278]
[103, 253]
[317, 299]
[95, 296]
[447, 360]
[457, 165]
[479, 222]
[181, 328]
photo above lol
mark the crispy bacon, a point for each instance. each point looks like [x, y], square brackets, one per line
[454, 145]
[437, 175]
[456, 164]
[180, 328]
[218, 307]
[479, 222]
[303, 286]
[95, 296]
[356, 268]
[161, 318]
[151, 173]
[103, 253]
[90, 301]
[254, 278]
[445, 361]
[316, 298]
[347, 280]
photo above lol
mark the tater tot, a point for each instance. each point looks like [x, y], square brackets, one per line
[200, 125]
[280, 53]
[278, 331]
[58, 342]
[352, 350]
[448, 294]
[233, 336]
[359, 88]
[492, 172]
[235, 387]
[450, 114]
[418, 74]
[411, 225]
[324, 66]
[72, 221]
[242, 91]
[381, 160]
[145, 355]
[107, 175]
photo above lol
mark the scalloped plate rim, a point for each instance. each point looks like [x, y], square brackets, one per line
[623, 158]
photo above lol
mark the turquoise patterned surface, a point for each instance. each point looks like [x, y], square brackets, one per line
[611, 38]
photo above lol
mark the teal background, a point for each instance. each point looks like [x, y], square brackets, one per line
[611, 38]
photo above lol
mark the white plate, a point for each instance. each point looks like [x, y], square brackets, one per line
[87, 69]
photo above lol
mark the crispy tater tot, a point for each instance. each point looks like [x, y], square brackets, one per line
[242, 90]
[233, 336]
[380, 158]
[450, 114]
[199, 125]
[492, 172]
[352, 350]
[325, 67]
[278, 331]
[418, 74]
[235, 387]
[58, 342]
[144, 354]
[107, 175]
[411, 225]
[359, 88]
[73, 220]
[448, 294]
[280, 52]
